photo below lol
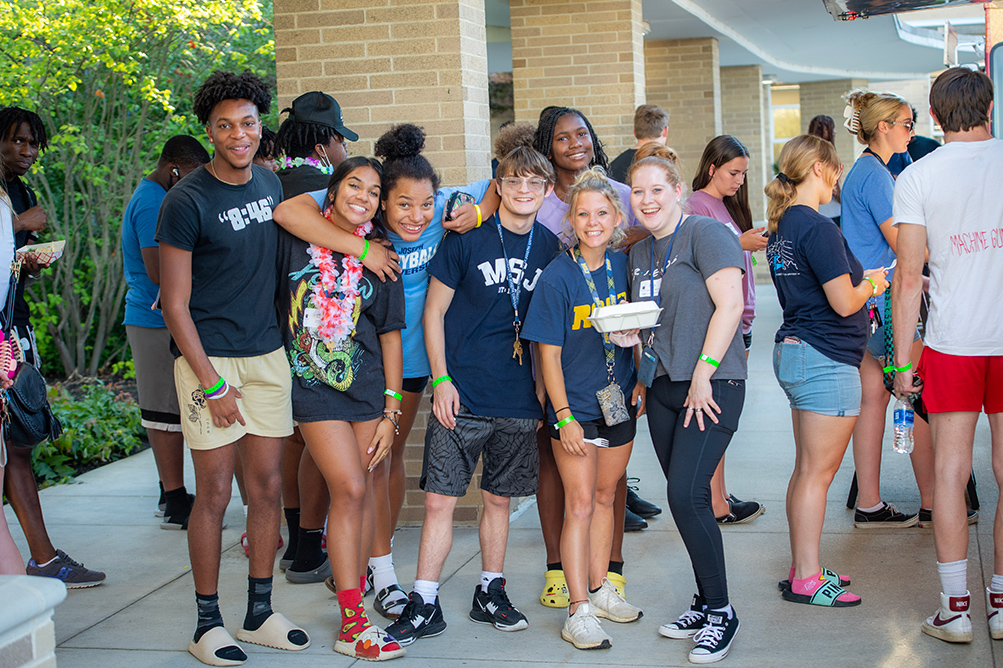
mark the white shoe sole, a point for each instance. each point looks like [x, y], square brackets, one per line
[946, 634]
[604, 644]
[667, 631]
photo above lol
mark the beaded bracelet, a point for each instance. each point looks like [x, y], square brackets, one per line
[393, 422]
[567, 420]
[898, 369]
[710, 360]
[440, 379]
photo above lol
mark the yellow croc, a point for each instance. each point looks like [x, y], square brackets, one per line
[555, 590]
[619, 583]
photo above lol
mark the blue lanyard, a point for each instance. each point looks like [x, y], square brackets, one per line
[668, 260]
[514, 288]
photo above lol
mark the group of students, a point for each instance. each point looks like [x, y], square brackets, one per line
[284, 308]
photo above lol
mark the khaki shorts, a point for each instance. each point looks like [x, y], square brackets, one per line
[264, 381]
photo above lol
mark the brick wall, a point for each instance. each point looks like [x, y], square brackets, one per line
[684, 78]
[391, 61]
[586, 55]
[742, 116]
[917, 93]
[826, 97]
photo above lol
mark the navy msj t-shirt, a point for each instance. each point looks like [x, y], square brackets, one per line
[807, 251]
[559, 316]
[478, 324]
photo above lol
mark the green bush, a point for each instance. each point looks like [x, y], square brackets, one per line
[99, 427]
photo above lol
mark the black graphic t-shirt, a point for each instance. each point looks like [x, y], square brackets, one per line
[337, 381]
[233, 241]
[478, 324]
[808, 251]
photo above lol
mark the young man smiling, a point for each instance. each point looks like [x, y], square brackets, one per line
[218, 246]
[480, 289]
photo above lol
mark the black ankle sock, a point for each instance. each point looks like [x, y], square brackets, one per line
[161, 499]
[592, 591]
[293, 523]
[308, 553]
[209, 617]
[556, 566]
[259, 602]
[177, 501]
[616, 567]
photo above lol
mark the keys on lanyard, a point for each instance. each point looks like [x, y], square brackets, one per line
[873, 315]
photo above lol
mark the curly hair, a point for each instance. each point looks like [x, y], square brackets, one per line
[222, 86]
[11, 119]
[400, 148]
[543, 141]
[266, 147]
[296, 139]
[513, 136]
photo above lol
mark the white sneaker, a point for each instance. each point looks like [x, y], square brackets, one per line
[583, 630]
[994, 606]
[952, 621]
[610, 605]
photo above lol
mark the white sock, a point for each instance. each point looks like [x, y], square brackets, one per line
[245, 512]
[872, 509]
[486, 578]
[726, 611]
[47, 563]
[383, 571]
[997, 584]
[953, 577]
[428, 590]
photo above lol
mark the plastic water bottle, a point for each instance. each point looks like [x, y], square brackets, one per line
[903, 419]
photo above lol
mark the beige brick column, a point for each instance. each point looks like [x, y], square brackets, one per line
[683, 77]
[586, 55]
[394, 61]
[742, 116]
[826, 97]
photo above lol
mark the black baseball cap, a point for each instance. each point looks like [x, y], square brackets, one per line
[321, 109]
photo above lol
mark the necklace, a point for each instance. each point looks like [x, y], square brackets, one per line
[289, 163]
[335, 294]
[229, 183]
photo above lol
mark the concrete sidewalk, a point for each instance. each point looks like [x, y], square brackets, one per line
[145, 613]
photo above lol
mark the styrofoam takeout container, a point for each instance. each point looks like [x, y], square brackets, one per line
[620, 317]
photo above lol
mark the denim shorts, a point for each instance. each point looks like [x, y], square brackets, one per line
[876, 343]
[815, 383]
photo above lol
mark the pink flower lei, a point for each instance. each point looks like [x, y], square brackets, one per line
[335, 293]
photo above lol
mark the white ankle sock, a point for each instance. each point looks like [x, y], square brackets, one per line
[486, 578]
[997, 584]
[245, 513]
[427, 589]
[383, 572]
[953, 577]
[727, 611]
[872, 509]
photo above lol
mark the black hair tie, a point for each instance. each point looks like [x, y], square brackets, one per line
[784, 179]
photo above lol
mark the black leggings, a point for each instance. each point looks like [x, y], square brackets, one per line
[688, 458]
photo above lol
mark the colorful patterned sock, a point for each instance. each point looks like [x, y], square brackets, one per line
[353, 615]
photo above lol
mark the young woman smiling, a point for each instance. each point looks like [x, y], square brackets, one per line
[721, 192]
[883, 123]
[695, 362]
[341, 330]
[591, 448]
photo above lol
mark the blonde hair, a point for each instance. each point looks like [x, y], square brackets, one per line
[869, 109]
[656, 155]
[595, 180]
[797, 159]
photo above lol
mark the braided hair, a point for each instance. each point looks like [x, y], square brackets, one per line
[11, 119]
[544, 139]
[296, 139]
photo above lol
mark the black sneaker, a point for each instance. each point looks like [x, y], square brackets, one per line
[493, 607]
[887, 517]
[741, 512]
[633, 522]
[73, 574]
[418, 620]
[714, 640]
[640, 507]
[926, 517]
[689, 623]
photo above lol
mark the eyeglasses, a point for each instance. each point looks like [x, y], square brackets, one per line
[909, 125]
[511, 183]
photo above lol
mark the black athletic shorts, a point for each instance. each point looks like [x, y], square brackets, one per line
[511, 457]
[617, 435]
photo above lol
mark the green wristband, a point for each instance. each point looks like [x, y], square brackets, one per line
[874, 286]
[710, 360]
[440, 379]
[365, 250]
[898, 369]
[395, 395]
[570, 418]
[215, 387]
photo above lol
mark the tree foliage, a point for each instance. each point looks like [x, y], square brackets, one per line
[112, 80]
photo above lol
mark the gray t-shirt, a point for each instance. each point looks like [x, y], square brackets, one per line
[703, 247]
